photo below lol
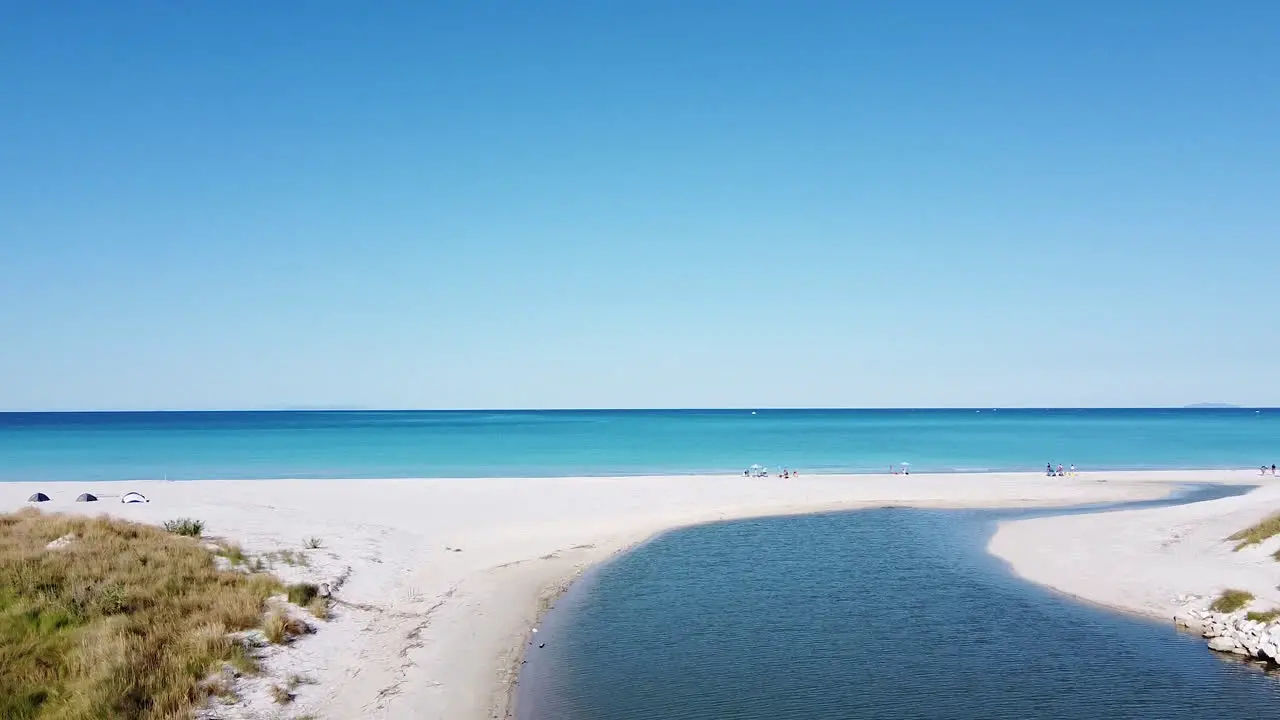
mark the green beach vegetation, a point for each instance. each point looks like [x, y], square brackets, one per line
[1231, 600]
[233, 553]
[284, 694]
[1255, 534]
[294, 558]
[308, 595]
[185, 526]
[102, 618]
[302, 593]
[1264, 616]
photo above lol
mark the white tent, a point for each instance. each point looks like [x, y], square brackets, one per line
[133, 497]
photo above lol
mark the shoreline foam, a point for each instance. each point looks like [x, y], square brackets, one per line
[444, 579]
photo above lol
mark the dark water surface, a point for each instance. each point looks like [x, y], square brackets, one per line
[892, 613]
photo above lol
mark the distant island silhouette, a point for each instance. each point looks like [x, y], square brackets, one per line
[1212, 406]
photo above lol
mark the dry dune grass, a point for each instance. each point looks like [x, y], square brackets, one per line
[1255, 534]
[122, 622]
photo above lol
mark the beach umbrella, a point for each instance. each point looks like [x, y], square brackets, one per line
[87, 497]
[38, 497]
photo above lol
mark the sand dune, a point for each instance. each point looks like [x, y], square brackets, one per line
[441, 580]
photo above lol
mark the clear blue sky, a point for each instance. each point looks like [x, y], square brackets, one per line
[633, 204]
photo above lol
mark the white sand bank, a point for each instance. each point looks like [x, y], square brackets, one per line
[426, 632]
[1150, 561]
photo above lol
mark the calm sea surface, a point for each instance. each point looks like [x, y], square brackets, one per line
[193, 445]
[893, 614]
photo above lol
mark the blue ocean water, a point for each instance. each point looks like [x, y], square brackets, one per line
[317, 444]
[889, 614]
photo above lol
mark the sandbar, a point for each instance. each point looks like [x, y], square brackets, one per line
[1156, 562]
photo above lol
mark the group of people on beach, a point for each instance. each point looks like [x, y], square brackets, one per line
[757, 471]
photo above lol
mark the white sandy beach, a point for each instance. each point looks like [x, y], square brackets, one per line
[443, 579]
[1155, 562]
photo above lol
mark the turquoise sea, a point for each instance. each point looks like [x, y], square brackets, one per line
[359, 444]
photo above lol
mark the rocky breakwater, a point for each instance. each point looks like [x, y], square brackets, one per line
[1235, 633]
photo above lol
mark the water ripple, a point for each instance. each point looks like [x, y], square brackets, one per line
[879, 614]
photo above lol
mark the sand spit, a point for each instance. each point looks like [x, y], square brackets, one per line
[1158, 562]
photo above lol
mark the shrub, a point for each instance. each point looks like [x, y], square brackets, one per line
[1231, 600]
[302, 593]
[280, 628]
[281, 695]
[313, 543]
[319, 607]
[185, 526]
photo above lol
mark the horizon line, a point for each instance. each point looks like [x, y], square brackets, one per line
[743, 408]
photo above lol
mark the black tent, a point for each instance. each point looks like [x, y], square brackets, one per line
[87, 497]
[38, 497]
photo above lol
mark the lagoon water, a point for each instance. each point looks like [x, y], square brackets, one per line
[357, 444]
[891, 613]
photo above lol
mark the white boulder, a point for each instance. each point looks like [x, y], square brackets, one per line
[1222, 643]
